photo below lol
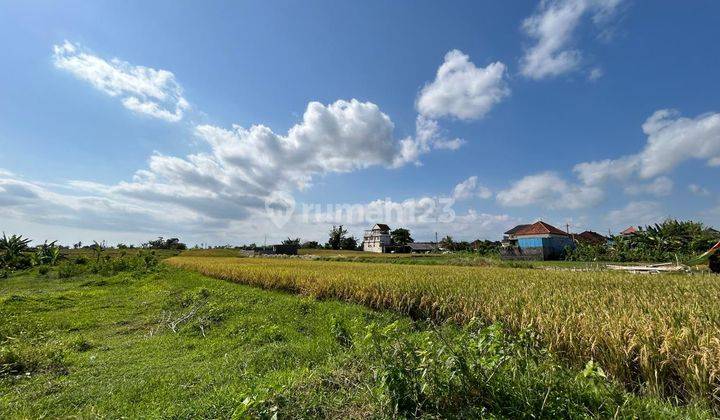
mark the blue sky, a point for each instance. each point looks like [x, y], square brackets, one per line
[117, 119]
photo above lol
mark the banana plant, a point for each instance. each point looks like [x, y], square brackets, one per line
[47, 253]
[12, 249]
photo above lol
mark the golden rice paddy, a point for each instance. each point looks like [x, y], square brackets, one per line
[656, 334]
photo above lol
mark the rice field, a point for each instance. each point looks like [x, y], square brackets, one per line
[658, 335]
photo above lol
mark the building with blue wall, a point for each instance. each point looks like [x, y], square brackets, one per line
[538, 241]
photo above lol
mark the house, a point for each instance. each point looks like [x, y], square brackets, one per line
[629, 231]
[422, 247]
[377, 238]
[538, 241]
[590, 238]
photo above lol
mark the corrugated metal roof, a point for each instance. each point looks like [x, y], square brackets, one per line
[421, 246]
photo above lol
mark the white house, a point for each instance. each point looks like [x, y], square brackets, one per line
[376, 239]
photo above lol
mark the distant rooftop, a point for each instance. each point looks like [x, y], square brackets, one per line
[629, 231]
[590, 237]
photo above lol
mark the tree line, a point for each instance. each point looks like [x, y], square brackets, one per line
[671, 240]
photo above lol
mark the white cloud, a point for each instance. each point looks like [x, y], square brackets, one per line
[428, 137]
[552, 27]
[599, 172]
[423, 216]
[635, 213]
[661, 186]
[671, 140]
[462, 90]
[230, 183]
[142, 89]
[549, 190]
[698, 190]
[34, 202]
[469, 189]
[595, 74]
[246, 166]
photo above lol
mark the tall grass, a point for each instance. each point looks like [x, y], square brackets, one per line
[659, 335]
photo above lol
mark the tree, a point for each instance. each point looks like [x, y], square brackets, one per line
[289, 241]
[462, 246]
[401, 236]
[13, 249]
[671, 240]
[349, 243]
[447, 243]
[486, 247]
[337, 234]
[311, 245]
[160, 243]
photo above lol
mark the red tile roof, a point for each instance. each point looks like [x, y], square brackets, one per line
[515, 229]
[629, 231]
[539, 228]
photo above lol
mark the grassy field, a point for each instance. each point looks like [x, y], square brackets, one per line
[164, 342]
[463, 259]
[659, 335]
[70, 254]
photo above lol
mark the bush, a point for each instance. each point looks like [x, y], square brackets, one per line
[67, 270]
[141, 263]
[43, 270]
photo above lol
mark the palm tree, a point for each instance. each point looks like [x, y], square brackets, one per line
[447, 243]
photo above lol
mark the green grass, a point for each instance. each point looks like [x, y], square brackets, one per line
[462, 259]
[118, 356]
[115, 253]
[117, 346]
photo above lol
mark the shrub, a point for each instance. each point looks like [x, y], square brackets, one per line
[66, 270]
[43, 270]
